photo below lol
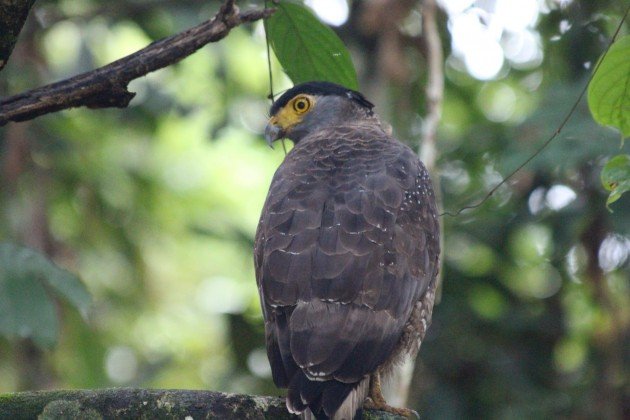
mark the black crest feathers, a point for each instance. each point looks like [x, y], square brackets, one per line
[322, 89]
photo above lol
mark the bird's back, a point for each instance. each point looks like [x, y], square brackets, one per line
[347, 244]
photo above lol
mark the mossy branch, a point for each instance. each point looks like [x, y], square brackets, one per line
[117, 403]
[131, 403]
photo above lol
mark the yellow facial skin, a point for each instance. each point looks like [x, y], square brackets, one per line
[293, 112]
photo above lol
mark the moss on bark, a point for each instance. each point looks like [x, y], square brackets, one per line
[128, 403]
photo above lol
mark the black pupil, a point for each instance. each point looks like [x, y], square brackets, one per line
[301, 105]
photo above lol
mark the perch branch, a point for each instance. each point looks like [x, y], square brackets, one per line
[13, 14]
[107, 85]
[129, 403]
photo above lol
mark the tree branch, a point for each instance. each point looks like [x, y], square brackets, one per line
[434, 93]
[430, 46]
[130, 403]
[13, 14]
[435, 83]
[107, 86]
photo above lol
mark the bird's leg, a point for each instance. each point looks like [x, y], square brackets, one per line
[376, 400]
[376, 393]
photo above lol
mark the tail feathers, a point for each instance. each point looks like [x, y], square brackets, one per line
[325, 400]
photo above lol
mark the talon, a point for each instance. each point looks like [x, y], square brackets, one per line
[375, 401]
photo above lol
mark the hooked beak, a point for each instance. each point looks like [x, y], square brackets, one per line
[273, 132]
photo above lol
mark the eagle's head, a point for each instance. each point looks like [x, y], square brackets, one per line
[311, 106]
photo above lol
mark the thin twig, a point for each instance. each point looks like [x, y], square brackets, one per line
[107, 86]
[268, 59]
[271, 96]
[555, 133]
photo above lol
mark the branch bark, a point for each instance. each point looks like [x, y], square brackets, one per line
[434, 93]
[129, 403]
[107, 86]
[13, 14]
[435, 83]
[430, 45]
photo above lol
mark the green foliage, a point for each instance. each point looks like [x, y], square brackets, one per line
[609, 103]
[28, 282]
[616, 177]
[308, 49]
[609, 91]
[155, 208]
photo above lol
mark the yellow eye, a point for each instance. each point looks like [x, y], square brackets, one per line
[301, 104]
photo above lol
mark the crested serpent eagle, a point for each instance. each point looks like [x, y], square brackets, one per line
[346, 252]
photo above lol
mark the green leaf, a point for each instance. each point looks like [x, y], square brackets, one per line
[307, 49]
[609, 91]
[27, 309]
[615, 177]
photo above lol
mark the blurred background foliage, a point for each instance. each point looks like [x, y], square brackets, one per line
[155, 206]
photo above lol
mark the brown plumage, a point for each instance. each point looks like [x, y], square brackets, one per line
[346, 252]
